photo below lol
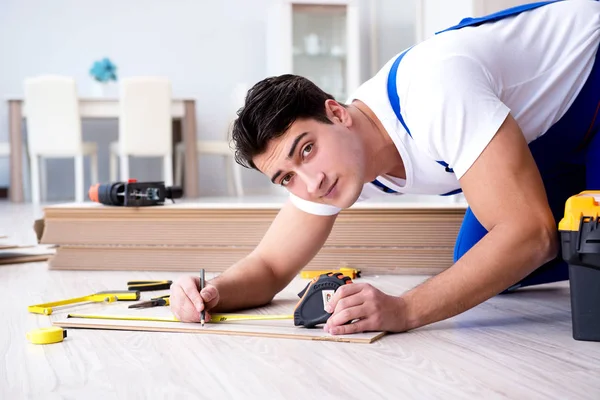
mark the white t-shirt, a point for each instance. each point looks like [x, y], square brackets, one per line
[457, 88]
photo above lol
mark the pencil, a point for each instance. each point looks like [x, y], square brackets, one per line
[202, 287]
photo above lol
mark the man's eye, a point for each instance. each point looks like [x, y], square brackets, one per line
[286, 179]
[307, 149]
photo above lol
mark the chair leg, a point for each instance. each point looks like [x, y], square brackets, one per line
[79, 189]
[229, 176]
[124, 160]
[237, 178]
[43, 179]
[94, 167]
[179, 156]
[35, 179]
[113, 167]
[26, 177]
[168, 170]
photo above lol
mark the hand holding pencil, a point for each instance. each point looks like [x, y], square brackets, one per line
[192, 298]
[202, 288]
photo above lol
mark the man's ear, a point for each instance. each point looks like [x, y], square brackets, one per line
[336, 112]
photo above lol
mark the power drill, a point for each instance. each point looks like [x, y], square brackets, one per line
[133, 193]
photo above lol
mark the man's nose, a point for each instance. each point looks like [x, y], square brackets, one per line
[313, 181]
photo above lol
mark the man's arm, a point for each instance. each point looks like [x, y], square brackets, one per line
[505, 192]
[291, 241]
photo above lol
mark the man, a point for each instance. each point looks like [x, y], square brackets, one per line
[503, 109]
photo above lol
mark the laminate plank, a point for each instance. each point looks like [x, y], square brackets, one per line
[224, 328]
[281, 305]
[21, 254]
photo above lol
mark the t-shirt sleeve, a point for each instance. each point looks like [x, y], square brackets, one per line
[313, 208]
[452, 111]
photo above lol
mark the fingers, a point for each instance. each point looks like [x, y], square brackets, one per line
[190, 286]
[210, 295]
[361, 303]
[181, 305]
[343, 291]
[355, 299]
[355, 327]
[346, 315]
[187, 302]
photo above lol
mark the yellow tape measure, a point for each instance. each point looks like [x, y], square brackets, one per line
[124, 317]
[53, 334]
[247, 317]
[214, 318]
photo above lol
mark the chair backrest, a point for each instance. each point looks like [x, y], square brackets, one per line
[220, 147]
[145, 122]
[4, 149]
[52, 115]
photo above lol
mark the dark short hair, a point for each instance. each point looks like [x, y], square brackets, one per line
[271, 107]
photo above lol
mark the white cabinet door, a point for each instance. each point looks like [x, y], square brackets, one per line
[318, 40]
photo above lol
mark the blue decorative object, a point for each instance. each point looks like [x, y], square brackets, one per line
[104, 71]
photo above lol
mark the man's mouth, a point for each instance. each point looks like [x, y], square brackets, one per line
[330, 189]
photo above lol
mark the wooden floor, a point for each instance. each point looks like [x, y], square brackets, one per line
[516, 346]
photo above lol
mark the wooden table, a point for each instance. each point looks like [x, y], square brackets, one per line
[183, 110]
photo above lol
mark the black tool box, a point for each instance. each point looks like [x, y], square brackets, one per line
[580, 238]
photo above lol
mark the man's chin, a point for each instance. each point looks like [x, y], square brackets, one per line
[346, 201]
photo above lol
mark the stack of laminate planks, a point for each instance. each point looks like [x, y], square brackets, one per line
[13, 253]
[377, 238]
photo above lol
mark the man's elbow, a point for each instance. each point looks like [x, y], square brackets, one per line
[547, 243]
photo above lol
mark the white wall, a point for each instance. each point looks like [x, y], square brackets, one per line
[205, 46]
[436, 15]
[484, 7]
[395, 28]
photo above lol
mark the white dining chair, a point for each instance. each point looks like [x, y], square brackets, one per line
[222, 148]
[54, 131]
[233, 170]
[145, 128]
[4, 149]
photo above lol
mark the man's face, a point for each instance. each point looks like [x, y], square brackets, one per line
[317, 162]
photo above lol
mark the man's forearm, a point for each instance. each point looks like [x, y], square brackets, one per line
[501, 258]
[248, 283]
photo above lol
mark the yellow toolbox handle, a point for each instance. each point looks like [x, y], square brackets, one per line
[586, 203]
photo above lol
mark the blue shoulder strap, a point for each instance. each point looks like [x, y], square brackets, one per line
[391, 82]
[497, 15]
[395, 99]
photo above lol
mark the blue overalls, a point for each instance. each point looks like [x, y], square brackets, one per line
[567, 155]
